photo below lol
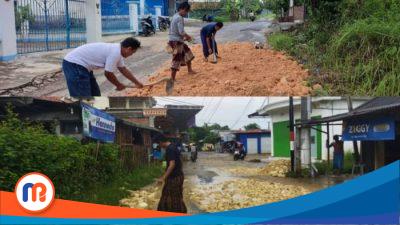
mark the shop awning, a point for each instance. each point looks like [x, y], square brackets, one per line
[376, 106]
[138, 125]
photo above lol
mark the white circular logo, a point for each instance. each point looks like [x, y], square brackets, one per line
[34, 192]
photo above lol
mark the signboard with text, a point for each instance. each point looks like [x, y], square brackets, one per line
[155, 112]
[98, 124]
[369, 130]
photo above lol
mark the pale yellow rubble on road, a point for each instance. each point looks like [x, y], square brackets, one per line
[241, 193]
[276, 168]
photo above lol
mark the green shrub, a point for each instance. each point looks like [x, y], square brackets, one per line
[281, 41]
[119, 186]
[71, 166]
[222, 18]
[323, 168]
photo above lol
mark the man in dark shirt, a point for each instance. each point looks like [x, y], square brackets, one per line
[172, 194]
[207, 35]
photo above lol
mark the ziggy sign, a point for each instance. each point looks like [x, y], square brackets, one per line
[369, 130]
[98, 124]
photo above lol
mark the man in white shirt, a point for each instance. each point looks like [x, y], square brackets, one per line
[78, 66]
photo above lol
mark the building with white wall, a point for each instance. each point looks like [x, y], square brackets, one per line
[278, 112]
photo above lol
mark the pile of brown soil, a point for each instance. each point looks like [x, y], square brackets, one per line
[242, 71]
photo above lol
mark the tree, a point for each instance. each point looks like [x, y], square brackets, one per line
[206, 133]
[212, 138]
[251, 6]
[252, 126]
[22, 14]
[216, 126]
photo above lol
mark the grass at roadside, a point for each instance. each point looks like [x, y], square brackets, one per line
[269, 16]
[357, 54]
[111, 193]
[281, 42]
[323, 166]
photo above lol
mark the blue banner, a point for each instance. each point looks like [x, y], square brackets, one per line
[369, 130]
[98, 124]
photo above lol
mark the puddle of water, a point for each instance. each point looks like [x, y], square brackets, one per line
[206, 176]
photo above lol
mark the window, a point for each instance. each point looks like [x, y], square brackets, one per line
[135, 103]
[117, 103]
[137, 136]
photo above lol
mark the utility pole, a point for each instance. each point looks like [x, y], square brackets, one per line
[291, 132]
[355, 144]
[305, 133]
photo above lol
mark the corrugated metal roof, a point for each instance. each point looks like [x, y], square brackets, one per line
[138, 125]
[254, 131]
[376, 105]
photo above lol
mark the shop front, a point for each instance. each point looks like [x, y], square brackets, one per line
[374, 129]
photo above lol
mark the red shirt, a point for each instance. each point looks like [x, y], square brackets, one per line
[338, 147]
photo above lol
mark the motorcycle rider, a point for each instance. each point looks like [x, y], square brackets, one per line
[242, 151]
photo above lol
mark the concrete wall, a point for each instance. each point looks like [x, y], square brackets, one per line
[324, 109]
[8, 36]
[243, 139]
[298, 13]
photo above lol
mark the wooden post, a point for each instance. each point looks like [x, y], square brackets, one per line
[97, 149]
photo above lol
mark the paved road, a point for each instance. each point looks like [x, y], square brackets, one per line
[150, 58]
[212, 169]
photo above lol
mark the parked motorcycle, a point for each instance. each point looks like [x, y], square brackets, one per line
[147, 26]
[207, 18]
[228, 146]
[163, 23]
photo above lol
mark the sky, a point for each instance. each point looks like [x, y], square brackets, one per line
[231, 111]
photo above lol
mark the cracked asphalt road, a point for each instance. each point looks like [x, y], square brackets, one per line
[152, 56]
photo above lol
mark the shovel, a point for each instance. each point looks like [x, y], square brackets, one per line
[215, 60]
[169, 87]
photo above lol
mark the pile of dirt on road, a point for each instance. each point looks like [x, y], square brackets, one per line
[275, 168]
[146, 198]
[241, 193]
[242, 71]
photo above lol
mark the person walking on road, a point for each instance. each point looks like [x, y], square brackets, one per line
[78, 66]
[181, 53]
[172, 193]
[338, 154]
[207, 35]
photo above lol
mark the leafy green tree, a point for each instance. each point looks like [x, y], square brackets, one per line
[251, 6]
[206, 133]
[23, 13]
[212, 138]
[216, 126]
[252, 126]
